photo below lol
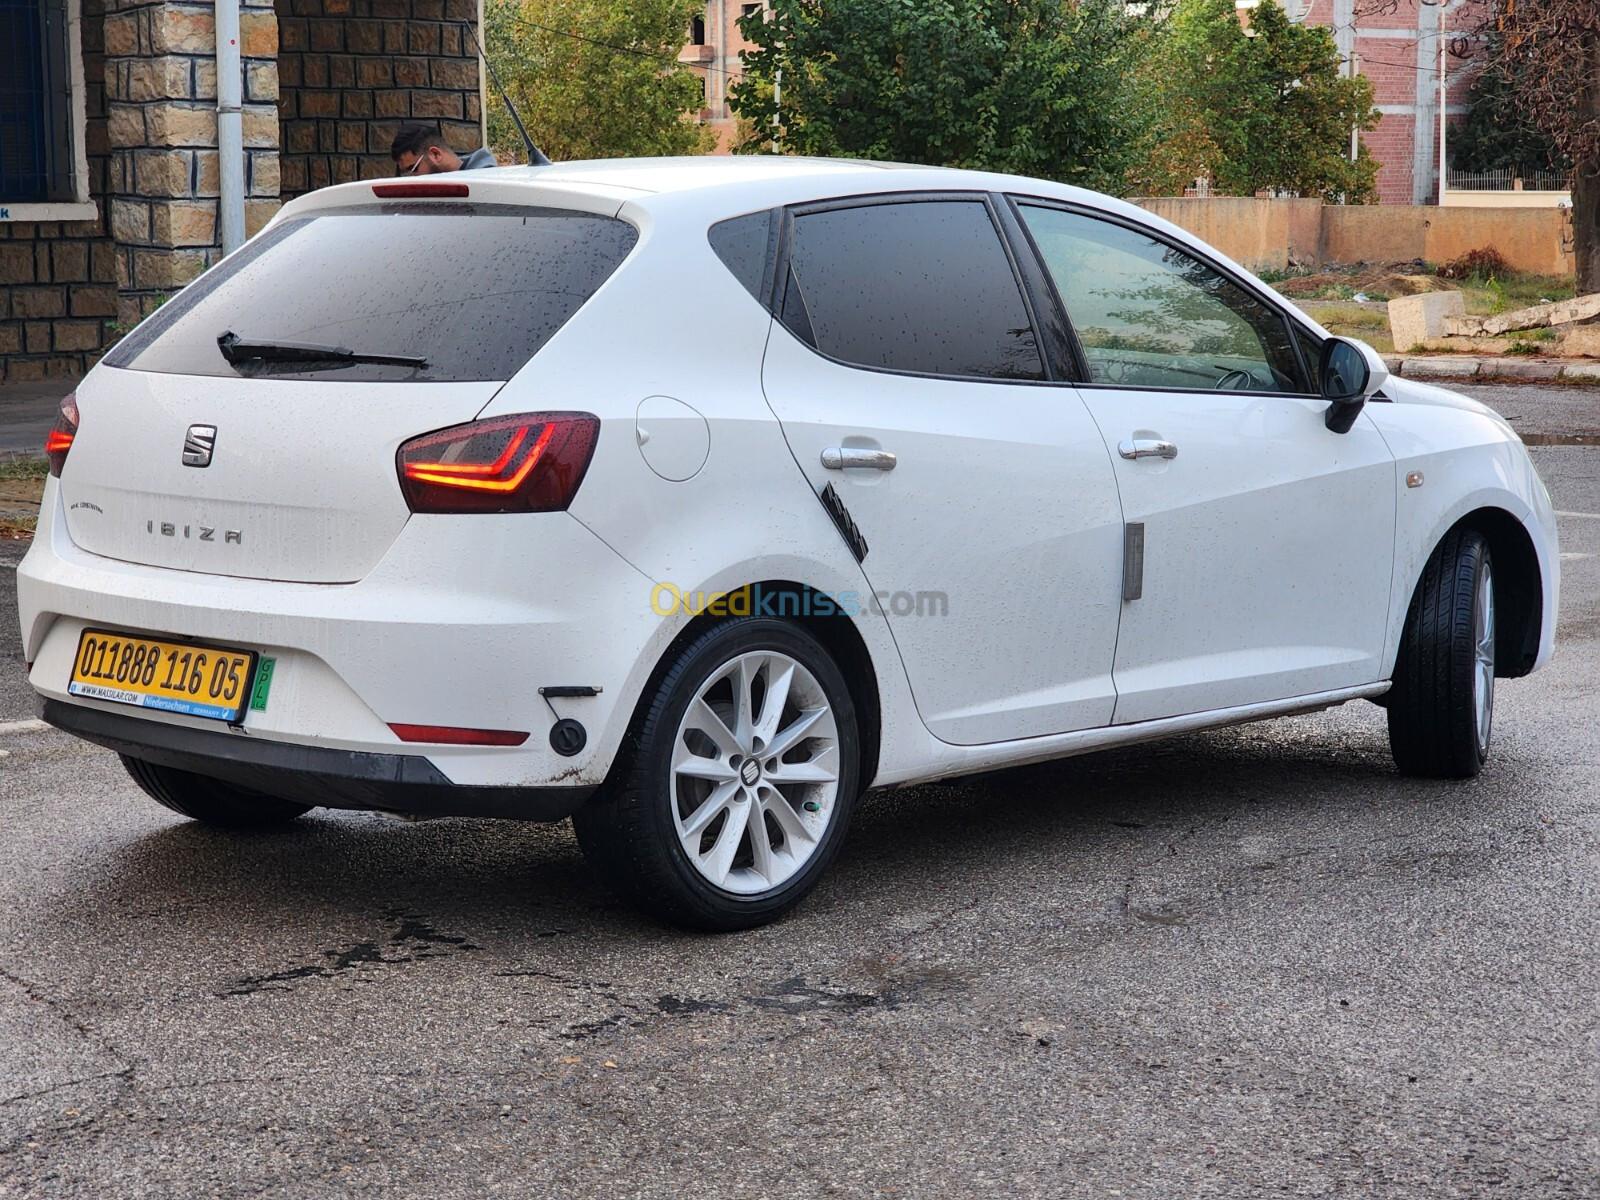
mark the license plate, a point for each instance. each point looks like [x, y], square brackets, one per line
[198, 681]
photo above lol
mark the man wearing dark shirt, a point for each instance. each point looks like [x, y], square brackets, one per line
[418, 150]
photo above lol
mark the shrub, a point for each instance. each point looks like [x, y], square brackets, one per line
[1480, 264]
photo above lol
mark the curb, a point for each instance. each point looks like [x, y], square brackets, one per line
[1456, 366]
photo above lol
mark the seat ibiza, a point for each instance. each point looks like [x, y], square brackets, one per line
[690, 498]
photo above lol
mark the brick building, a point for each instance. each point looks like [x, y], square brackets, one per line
[110, 168]
[713, 49]
[1395, 44]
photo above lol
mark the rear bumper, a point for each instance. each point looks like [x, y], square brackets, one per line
[314, 775]
[450, 630]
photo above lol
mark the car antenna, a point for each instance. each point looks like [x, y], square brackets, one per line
[536, 156]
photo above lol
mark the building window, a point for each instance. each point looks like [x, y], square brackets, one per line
[44, 171]
[749, 10]
[697, 31]
[37, 151]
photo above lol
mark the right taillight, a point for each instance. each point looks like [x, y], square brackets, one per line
[59, 441]
[532, 462]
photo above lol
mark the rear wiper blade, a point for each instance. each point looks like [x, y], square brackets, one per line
[237, 350]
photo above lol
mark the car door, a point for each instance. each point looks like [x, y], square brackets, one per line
[1266, 541]
[977, 493]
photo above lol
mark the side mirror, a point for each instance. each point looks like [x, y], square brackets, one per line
[1347, 373]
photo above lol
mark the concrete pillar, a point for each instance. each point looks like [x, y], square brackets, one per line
[1425, 133]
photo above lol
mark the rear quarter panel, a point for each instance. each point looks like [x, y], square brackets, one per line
[673, 322]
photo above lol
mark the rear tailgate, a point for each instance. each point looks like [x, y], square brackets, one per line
[270, 453]
[301, 484]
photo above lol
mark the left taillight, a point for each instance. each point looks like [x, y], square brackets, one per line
[59, 441]
[532, 462]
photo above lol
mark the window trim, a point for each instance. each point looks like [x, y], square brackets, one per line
[778, 282]
[1272, 304]
[82, 206]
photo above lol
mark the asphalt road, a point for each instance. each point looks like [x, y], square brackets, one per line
[27, 411]
[1247, 963]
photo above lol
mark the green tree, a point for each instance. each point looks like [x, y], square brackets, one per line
[595, 78]
[1028, 86]
[1495, 135]
[1549, 52]
[1266, 108]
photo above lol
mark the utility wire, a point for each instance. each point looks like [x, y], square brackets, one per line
[629, 50]
[536, 156]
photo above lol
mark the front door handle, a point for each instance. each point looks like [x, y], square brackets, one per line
[837, 458]
[1146, 448]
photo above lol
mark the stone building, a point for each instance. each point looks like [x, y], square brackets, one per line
[110, 168]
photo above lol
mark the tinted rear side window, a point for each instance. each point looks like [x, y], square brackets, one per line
[474, 290]
[922, 286]
[742, 243]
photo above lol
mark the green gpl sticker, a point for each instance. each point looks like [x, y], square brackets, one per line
[258, 697]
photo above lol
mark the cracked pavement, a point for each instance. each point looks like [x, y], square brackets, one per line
[1253, 962]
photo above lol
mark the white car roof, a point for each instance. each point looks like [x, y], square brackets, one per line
[716, 185]
[711, 188]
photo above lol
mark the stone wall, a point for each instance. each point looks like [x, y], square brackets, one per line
[1537, 240]
[164, 179]
[328, 81]
[1269, 234]
[1260, 234]
[351, 72]
[58, 279]
[69, 290]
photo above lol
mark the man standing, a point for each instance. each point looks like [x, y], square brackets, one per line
[418, 150]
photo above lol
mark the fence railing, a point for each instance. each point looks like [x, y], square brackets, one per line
[1508, 181]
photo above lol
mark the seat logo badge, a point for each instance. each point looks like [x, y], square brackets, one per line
[198, 444]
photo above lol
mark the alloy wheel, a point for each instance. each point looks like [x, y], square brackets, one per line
[755, 773]
[1483, 657]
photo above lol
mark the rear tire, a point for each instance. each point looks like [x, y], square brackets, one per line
[210, 800]
[736, 785]
[1441, 706]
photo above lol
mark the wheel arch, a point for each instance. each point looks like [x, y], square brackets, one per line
[1518, 587]
[839, 636]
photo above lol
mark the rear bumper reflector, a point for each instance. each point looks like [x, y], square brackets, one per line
[449, 735]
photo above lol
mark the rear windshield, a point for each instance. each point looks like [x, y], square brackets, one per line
[475, 290]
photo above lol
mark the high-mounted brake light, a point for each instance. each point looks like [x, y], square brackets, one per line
[420, 191]
[532, 462]
[60, 438]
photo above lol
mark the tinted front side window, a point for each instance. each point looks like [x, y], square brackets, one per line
[476, 291]
[1149, 315]
[920, 286]
[1311, 352]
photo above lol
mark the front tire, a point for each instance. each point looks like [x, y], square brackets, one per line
[1441, 706]
[737, 784]
[210, 801]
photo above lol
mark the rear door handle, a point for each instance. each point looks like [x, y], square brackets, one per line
[837, 458]
[1146, 448]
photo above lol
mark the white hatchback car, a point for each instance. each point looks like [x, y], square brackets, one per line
[689, 498]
